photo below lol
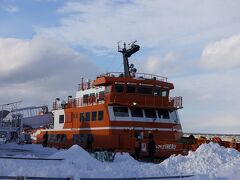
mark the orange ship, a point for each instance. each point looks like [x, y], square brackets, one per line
[113, 111]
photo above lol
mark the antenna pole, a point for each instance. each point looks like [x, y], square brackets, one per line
[127, 52]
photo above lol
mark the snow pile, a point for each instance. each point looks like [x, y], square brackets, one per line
[207, 159]
[210, 161]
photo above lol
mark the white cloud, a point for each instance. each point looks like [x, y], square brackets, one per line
[38, 70]
[98, 25]
[210, 102]
[172, 64]
[11, 9]
[12, 54]
[223, 54]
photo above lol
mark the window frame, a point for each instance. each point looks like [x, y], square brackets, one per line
[100, 115]
[120, 113]
[94, 116]
[147, 114]
[61, 118]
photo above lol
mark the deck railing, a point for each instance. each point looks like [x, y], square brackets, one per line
[136, 75]
[118, 98]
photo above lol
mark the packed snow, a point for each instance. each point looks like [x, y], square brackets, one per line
[209, 161]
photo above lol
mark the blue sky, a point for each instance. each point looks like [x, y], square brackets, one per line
[47, 46]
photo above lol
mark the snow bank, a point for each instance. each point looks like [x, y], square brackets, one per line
[210, 161]
[207, 159]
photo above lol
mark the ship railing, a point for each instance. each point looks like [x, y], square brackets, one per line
[85, 85]
[78, 102]
[177, 101]
[136, 75]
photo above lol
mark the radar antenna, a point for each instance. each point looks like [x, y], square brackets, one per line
[127, 52]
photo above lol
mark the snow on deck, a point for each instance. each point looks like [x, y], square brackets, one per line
[210, 161]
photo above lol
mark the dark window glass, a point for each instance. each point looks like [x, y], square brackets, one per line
[92, 95]
[82, 138]
[51, 137]
[101, 96]
[144, 90]
[61, 118]
[164, 93]
[100, 115]
[157, 92]
[87, 116]
[163, 113]
[131, 89]
[85, 98]
[58, 138]
[136, 112]
[94, 116]
[150, 113]
[63, 138]
[81, 117]
[119, 88]
[75, 138]
[120, 111]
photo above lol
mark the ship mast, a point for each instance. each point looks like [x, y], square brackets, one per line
[127, 52]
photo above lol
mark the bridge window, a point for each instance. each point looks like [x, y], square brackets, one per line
[107, 89]
[163, 114]
[119, 88]
[131, 89]
[150, 113]
[81, 117]
[87, 116]
[174, 115]
[94, 116]
[136, 112]
[100, 115]
[120, 111]
[164, 93]
[144, 90]
[61, 119]
[157, 92]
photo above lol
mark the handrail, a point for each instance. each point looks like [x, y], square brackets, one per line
[175, 102]
[137, 76]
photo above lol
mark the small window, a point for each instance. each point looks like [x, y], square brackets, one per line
[87, 116]
[81, 117]
[157, 92]
[51, 137]
[136, 112]
[58, 138]
[100, 115]
[131, 89]
[150, 113]
[107, 89]
[63, 138]
[119, 88]
[164, 93]
[163, 113]
[120, 111]
[61, 119]
[85, 98]
[75, 138]
[144, 90]
[92, 95]
[101, 96]
[94, 116]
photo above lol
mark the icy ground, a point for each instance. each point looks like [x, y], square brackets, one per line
[210, 161]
